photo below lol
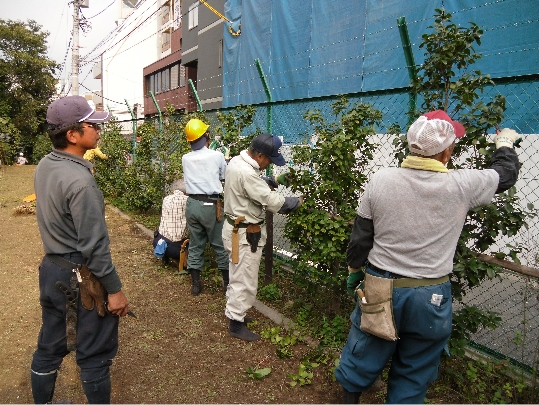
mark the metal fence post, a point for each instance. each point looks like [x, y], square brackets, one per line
[410, 64]
[197, 98]
[134, 137]
[160, 124]
[268, 256]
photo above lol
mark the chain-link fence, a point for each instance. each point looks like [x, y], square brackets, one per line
[514, 296]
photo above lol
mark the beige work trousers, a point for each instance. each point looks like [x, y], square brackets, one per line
[241, 292]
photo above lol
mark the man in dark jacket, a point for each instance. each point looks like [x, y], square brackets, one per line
[71, 218]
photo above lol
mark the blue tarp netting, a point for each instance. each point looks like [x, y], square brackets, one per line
[319, 48]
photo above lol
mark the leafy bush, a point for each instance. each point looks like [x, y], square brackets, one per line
[330, 172]
[270, 292]
[42, 147]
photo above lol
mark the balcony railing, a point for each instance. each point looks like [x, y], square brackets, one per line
[165, 46]
[165, 18]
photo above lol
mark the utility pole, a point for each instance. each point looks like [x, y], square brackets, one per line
[75, 51]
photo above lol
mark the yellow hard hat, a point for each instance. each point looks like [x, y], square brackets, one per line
[194, 129]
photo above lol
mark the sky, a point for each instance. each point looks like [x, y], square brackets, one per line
[56, 17]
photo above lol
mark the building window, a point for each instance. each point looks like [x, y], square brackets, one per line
[193, 15]
[174, 76]
[182, 76]
[166, 79]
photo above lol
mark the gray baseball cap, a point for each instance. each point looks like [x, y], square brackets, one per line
[70, 110]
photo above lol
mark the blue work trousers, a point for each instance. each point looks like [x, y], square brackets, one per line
[423, 327]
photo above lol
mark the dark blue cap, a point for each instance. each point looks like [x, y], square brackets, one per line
[269, 145]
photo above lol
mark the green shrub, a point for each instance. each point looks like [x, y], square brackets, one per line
[42, 147]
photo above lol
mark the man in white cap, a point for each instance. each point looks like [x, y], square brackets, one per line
[71, 218]
[405, 234]
[21, 160]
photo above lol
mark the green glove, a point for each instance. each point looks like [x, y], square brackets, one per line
[353, 281]
[284, 179]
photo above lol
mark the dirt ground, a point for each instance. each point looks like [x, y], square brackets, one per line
[177, 351]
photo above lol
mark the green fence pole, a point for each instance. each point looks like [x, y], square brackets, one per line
[160, 124]
[410, 64]
[199, 104]
[268, 93]
[268, 257]
[134, 137]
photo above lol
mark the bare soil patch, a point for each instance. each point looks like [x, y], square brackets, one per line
[177, 351]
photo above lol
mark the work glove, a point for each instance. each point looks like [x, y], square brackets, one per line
[226, 152]
[507, 137]
[270, 180]
[91, 290]
[284, 179]
[301, 198]
[355, 276]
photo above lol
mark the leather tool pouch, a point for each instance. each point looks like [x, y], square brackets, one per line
[377, 314]
[253, 234]
[91, 290]
[72, 300]
[235, 246]
[219, 210]
[183, 255]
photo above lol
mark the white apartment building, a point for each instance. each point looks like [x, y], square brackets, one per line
[142, 37]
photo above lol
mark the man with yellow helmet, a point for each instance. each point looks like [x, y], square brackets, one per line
[204, 172]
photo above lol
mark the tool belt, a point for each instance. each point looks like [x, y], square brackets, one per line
[211, 198]
[92, 291]
[253, 235]
[376, 302]
[242, 224]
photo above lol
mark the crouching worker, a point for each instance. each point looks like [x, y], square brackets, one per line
[169, 238]
[77, 314]
[408, 224]
[247, 197]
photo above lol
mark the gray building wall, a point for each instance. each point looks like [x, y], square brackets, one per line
[202, 48]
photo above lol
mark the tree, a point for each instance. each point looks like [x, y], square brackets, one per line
[26, 80]
[330, 170]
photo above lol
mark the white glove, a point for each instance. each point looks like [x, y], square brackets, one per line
[506, 137]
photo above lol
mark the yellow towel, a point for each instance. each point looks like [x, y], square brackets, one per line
[421, 163]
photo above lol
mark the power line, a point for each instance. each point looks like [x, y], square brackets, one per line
[95, 15]
[100, 95]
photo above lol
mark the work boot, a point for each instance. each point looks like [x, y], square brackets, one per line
[98, 391]
[196, 287]
[226, 279]
[350, 397]
[238, 330]
[43, 386]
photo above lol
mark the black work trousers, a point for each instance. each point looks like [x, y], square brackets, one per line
[97, 337]
[173, 248]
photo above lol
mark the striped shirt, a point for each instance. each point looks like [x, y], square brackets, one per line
[173, 223]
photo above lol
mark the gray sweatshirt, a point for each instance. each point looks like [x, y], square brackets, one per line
[71, 214]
